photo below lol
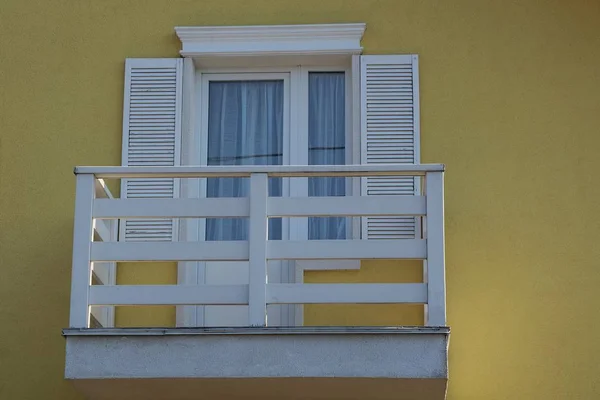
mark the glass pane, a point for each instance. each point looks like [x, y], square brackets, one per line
[326, 146]
[245, 127]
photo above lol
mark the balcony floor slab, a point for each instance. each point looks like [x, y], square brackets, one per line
[259, 362]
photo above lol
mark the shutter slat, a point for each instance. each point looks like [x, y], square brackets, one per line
[151, 133]
[390, 134]
[149, 98]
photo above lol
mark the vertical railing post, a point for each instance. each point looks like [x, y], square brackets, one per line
[257, 242]
[82, 241]
[435, 268]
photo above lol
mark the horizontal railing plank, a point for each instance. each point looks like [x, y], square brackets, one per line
[171, 208]
[346, 249]
[346, 206]
[320, 293]
[271, 170]
[168, 295]
[170, 251]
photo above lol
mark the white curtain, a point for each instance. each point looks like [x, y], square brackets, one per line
[326, 146]
[245, 127]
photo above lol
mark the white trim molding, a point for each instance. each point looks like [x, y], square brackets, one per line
[263, 40]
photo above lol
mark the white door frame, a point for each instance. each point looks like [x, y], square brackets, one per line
[194, 136]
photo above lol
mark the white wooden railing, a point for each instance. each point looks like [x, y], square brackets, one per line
[257, 250]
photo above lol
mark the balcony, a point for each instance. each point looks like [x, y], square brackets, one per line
[258, 360]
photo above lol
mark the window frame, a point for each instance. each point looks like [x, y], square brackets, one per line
[194, 136]
[300, 189]
[202, 93]
[297, 139]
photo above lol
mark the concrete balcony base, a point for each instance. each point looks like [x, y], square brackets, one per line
[261, 363]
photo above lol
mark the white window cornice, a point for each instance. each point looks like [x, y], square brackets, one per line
[199, 41]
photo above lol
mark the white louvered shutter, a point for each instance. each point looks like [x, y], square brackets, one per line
[389, 135]
[151, 137]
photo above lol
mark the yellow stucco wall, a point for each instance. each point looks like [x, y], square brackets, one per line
[371, 271]
[510, 101]
[146, 273]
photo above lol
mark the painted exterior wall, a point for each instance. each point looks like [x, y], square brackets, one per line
[371, 271]
[140, 273]
[510, 101]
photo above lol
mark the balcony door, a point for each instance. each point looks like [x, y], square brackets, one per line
[245, 121]
[288, 118]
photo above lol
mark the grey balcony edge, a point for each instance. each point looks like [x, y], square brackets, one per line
[305, 330]
[353, 352]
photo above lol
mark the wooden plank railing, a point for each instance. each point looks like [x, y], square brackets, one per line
[257, 250]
